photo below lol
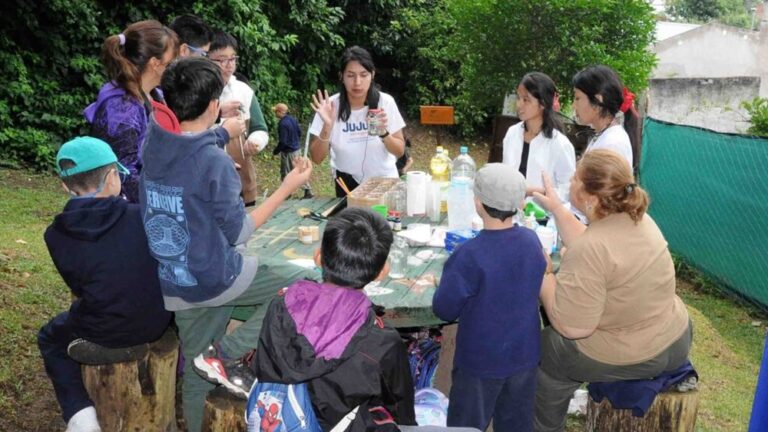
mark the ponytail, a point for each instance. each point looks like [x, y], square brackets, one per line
[608, 176]
[125, 56]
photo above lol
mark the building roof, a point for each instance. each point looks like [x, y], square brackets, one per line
[668, 29]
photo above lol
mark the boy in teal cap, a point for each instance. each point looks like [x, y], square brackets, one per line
[98, 246]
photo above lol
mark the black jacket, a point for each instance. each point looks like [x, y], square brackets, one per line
[330, 338]
[100, 250]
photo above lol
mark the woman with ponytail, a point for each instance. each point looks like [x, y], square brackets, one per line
[612, 305]
[537, 143]
[134, 61]
[602, 102]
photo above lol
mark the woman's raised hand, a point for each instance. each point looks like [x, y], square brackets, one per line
[549, 199]
[323, 106]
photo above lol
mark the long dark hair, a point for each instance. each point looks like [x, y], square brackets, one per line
[604, 81]
[125, 62]
[542, 87]
[362, 56]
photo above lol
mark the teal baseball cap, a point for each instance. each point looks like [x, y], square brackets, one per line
[87, 153]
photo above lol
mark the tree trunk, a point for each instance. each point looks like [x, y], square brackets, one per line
[138, 395]
[223, 412]
[671, 411]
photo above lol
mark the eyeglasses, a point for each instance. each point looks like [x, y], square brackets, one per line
[198, 51]
[226, 61]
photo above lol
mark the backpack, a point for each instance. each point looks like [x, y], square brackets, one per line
[274, 407]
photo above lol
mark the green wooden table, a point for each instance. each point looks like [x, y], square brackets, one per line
[408, 301]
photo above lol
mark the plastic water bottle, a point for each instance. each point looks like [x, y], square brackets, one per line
[440, 170]
[464, 165]
[398, 258]
[461, 202]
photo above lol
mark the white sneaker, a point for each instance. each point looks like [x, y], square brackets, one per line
[84, 421]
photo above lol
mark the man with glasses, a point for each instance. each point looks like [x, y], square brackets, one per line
[194, 35]
[239, 101]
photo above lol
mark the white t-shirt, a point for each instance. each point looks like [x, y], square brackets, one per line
[355, 152]
[239, 91]
[555, 156]
[613, 138]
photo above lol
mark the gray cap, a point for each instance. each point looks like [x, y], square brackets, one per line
[500, 186]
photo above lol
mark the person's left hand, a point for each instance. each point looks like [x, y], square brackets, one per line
[230, 109]
[549, 199]
[382, 119]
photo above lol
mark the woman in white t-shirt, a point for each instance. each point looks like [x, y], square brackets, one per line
[537, 144]
[602, 102]
[340, 126]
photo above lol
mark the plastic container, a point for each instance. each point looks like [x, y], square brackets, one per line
[440, 170]
[464, 165]
[374, 122]
[398, 258]
[461, 204]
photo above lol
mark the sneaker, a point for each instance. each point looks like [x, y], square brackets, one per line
[234, 374]
[84, 421]
[308, 194]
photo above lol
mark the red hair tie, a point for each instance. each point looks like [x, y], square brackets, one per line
[629, 100]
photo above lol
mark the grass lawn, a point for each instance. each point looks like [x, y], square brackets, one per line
[728, 340]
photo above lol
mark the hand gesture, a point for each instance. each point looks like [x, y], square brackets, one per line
[235, 126]
[323, 106]
[250, 147]
[302, 169]
[549, 199]
[230, 109]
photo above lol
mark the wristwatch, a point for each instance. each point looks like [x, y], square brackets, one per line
[386, 134]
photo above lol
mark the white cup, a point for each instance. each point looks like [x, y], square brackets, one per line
[546, 237]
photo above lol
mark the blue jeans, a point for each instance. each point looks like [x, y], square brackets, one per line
[53, 340]
[474, 401]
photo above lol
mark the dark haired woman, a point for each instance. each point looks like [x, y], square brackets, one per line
[602, 102]
[537, 144]
[340, 125]
[134, 61]
[614, 311]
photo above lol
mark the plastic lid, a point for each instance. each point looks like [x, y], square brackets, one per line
[439, 149]
[464, 150]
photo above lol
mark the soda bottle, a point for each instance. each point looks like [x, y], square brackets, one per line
[440, 169]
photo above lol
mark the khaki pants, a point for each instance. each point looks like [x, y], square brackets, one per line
[247, 169]
[563, 368]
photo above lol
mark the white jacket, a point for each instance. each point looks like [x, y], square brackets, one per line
[555, 156]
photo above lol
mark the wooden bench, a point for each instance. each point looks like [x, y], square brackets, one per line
[671, 412]
[135, 395]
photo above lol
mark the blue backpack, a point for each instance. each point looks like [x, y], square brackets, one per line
[273, 407]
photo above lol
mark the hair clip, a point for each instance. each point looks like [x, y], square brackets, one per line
[122, 39]
[629, 188]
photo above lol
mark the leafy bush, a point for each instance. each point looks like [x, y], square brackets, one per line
[758, 116]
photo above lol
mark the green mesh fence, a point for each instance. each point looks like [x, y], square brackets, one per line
[709, 196]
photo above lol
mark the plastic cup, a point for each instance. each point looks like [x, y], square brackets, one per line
[381, 209]
[546, 237]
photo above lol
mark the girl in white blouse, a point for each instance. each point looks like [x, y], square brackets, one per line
[536, 144]
[602, 102]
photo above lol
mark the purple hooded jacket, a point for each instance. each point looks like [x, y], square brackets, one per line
[120, 120]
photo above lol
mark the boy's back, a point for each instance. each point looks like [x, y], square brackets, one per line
[99, 248]
[491, 284]
[330, 338]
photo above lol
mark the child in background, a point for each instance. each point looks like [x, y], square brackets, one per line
[194, 220]
[327, 334]
[491, 285]
[239, 101]
[98, 246]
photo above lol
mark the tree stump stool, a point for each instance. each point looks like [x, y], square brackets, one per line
[671, 411]
[223, 412]
[137, 395]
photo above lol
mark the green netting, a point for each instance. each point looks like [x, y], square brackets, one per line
[709, 195]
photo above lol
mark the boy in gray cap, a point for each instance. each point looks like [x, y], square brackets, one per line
[491, 285]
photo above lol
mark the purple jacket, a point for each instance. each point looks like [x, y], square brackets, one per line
[330, 338]
[121, 121]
